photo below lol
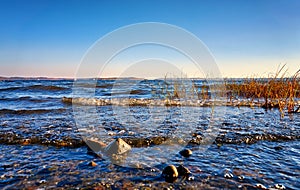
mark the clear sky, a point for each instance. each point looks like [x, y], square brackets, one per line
[49, 38]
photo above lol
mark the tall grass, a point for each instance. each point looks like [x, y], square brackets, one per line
[276, 91]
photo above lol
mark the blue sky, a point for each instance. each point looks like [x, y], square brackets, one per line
[49, 38]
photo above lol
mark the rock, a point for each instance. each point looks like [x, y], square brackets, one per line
[95, 145]
[241, 177]
[26, 142]
[278, 148]
[92, 163]
[260, 186]
[42, 181]
[183, 171]
[117, 147]
[170, 173]
[279, 186]
[186, 153]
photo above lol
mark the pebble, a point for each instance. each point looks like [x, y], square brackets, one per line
[279, 186]
[260, 186]
[241, 177]
[121, 132]
[170, 173]
[26, 142]
[92, 163]
[111, 133]
[191, 178]
[131, 133]
[186, 153]
[42, 181]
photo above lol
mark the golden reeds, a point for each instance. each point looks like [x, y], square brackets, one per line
[277, 91]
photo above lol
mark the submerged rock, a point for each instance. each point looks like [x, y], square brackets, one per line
[117, 147]
[170, 173]
[186, 153]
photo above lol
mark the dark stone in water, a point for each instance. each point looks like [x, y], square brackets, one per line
[197, 138]
[170, 173]
[183, 171]
[278, 148]
[186, 153]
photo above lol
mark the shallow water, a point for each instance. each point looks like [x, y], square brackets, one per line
[41, 144]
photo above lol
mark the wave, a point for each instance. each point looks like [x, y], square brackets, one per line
[92, 85]
[156, 102]
[27, 98]
[28, 112]
[35, 87]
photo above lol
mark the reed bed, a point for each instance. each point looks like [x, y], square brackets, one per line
[276, 91]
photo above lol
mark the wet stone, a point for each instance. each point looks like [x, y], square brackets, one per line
[279, 186]
[117, 147]
[92, 163]
[186, 153]
[170, 173]
[95, 145]
[42, 181]
[183, 171]
[241, 177]
[260, 186]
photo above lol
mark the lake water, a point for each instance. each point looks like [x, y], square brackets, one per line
[41, 138]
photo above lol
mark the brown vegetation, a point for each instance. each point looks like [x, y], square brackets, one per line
[276, 91]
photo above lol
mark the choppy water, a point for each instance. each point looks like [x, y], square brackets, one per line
[41, 145]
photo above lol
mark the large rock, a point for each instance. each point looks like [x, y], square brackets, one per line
[117, 147]
[95, 145]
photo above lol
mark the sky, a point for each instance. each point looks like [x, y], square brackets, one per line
[246, 37]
